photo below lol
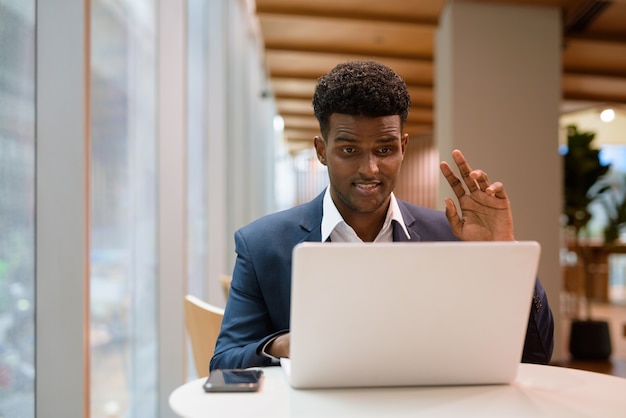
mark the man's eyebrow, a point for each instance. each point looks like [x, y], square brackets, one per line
[345, 139]
[352, 140]
[387, 140]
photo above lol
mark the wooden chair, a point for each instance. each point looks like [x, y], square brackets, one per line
[203, 322]
[225, 280]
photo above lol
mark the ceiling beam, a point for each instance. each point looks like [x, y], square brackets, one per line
[348, 36]
[594, 88]
[397, 10]
[298, 64]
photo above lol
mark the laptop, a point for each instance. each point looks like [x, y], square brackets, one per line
[409, 314]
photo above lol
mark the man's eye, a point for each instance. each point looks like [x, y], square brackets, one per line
[349, 150]
[384, 150]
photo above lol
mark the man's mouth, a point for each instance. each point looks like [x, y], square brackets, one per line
[366, 186]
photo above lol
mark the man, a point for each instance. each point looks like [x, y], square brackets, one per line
[362, 109]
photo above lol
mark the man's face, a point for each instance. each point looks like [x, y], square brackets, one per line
[363, 156]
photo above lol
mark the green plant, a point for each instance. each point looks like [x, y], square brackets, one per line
[582, 169]
[610, 193]
[584, 180]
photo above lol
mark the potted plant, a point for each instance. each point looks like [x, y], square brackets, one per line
[589, 339]
[610, 192]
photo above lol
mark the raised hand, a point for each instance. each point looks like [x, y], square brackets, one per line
[485, 210]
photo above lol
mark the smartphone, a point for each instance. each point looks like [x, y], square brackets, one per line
[233, 380]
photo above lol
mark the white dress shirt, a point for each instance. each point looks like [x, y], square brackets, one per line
[338, 230]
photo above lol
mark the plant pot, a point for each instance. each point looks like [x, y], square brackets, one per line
[590, 340]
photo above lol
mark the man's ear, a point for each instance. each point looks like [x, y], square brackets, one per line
[320, 149]
[404, 142]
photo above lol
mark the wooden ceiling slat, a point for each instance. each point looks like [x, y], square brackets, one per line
[347, 36]
[298, 64]
[301, 122]
[595, 57]
[300, 107]
[594, 88]
[293, 134]
[293, 87]
[426, 11]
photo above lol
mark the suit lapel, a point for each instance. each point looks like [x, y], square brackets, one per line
[311, 221]
[409, 222]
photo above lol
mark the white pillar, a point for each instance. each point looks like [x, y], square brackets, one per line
[62, 209]
[498, 93]
[172, 192]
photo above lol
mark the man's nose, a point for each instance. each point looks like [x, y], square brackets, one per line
[369, 165]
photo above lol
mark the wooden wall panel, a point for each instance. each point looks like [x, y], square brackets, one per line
[419, 176]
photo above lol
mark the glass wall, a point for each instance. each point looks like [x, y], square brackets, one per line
[126, 375]
[123, 219]
[17, 206]
[231, 139]
[197, 107]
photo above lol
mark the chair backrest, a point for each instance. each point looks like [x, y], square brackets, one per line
[225, 280]
[203, 322]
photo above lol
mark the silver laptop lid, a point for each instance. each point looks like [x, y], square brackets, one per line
[398, 314]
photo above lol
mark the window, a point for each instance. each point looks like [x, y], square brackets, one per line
[123, 219]
[17, 191]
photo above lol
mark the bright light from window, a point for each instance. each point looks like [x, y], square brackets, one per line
[279, 123]
[607, 115]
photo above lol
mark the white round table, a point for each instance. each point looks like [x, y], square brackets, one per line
[538, 391]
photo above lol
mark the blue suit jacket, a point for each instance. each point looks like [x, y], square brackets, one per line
[259, 302]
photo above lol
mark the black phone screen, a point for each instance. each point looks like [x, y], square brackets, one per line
[233, 380]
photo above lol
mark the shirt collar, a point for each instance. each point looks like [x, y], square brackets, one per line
[331, 216]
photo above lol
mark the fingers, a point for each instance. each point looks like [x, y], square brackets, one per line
[480, 178]
[465, 170]
[497, 190]
[474, 180]
[455, 184]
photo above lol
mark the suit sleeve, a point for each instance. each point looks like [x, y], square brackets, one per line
[539, 342]
[246, 324]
